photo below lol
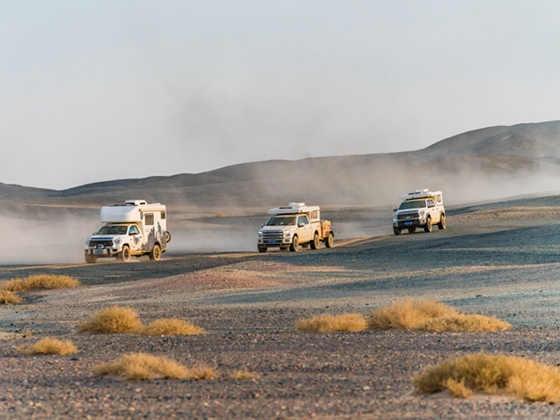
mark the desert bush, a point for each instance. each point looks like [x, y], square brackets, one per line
[330, 323]
[171, 326]
[464, 323]
[242, 375]
[8, 297]
[41, 281]
[493, 374]
[144, 367]
[408, 314]
[49, 346]
[114, 320]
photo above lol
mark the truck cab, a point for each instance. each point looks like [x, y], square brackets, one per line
[134, 228]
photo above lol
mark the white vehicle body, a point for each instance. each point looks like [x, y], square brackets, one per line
[134, 228]
[295, 225]
[420, 208]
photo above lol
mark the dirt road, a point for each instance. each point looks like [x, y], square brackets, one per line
[498, 259]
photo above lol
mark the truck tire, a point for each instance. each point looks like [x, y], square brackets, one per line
[91, 259]
[315, 242]
[442, 223]
[411, 230]
[294, 247]
[329, 240]
[283, 248]
[155, 253]
[262, 248]
[396, 230]
[124, 255]
[428, 225]
[167, 237]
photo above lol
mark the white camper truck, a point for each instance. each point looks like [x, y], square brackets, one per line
[420, 208]
[292, 226]
[134, 228]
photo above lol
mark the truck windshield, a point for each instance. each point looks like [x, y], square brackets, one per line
[281, 221]
[113, 230]
[417, 204]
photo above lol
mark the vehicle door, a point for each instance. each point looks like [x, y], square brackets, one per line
[304, 229]
[134, 238]
[433, 211]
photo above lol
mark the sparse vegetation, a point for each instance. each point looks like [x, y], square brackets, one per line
[330, 323]
[431, 316]
[243, 375]
[144, 367]
[171, 326]
[114, 320]
[7, 297]
[41, 281]
[49, 346]
[493, 374]
[464, 323]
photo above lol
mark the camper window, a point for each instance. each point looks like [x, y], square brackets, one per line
[149, 219]
[162, 215]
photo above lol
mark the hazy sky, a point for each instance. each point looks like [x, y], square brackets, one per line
[99, 90]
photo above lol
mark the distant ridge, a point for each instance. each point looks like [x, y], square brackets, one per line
[498, 160]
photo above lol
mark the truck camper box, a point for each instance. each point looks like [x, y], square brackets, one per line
[313, 212]
[420, 194]
[131, 211]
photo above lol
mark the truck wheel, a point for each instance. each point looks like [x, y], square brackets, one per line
[167, 237]
[294, 247]
[262, 248]
[91, 259]
[155, 255]
[124, 255]
[315, 242]
[329, 240]
[283, 248]
[396, 230]
[428, 225]
[442, 223]
[411, 230]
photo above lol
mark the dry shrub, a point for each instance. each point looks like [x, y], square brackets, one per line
[242, 375]
[8, 297]
[144, 367]
[171, 326]
[329, 323]
[114, 320]
[41, 281]
[464, 323]
[408, 314]
[492, 374]
[49, 346]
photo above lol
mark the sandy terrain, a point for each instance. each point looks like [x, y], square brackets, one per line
[497, 259]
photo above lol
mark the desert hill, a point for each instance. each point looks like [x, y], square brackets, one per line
[492, 162]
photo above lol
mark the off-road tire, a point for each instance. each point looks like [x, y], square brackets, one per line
[411, 230]
[262, 248]
[315, 242]
[442, 222]
[124, 255]
[167, 236]
[329, 240]
[396, 230]
[91, 259]
[155, 253]
[294, 247]
[428, 225]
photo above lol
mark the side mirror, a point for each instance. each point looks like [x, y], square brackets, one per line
[301, 224]
[262, 225]
[395, 209]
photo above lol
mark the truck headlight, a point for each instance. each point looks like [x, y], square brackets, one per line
[117, 241]
[260, 235]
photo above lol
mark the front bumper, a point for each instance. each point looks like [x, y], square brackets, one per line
[409, 223]
[107, 252]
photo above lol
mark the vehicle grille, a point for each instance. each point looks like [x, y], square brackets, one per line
[408, 216]
[102, 242]
[275, 234]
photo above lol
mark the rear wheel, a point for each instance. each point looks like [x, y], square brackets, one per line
[442, 223]
[329, 240]
[294, 247]
[262, 248]
[396, 230]
[167, 236]
[124, 255]
[91, 259]
[428, 225]
[315, 241]
[283, 248]
[155, 255]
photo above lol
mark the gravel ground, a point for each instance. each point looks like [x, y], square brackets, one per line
[495, 259]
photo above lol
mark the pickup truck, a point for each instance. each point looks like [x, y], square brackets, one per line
[420, 208]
